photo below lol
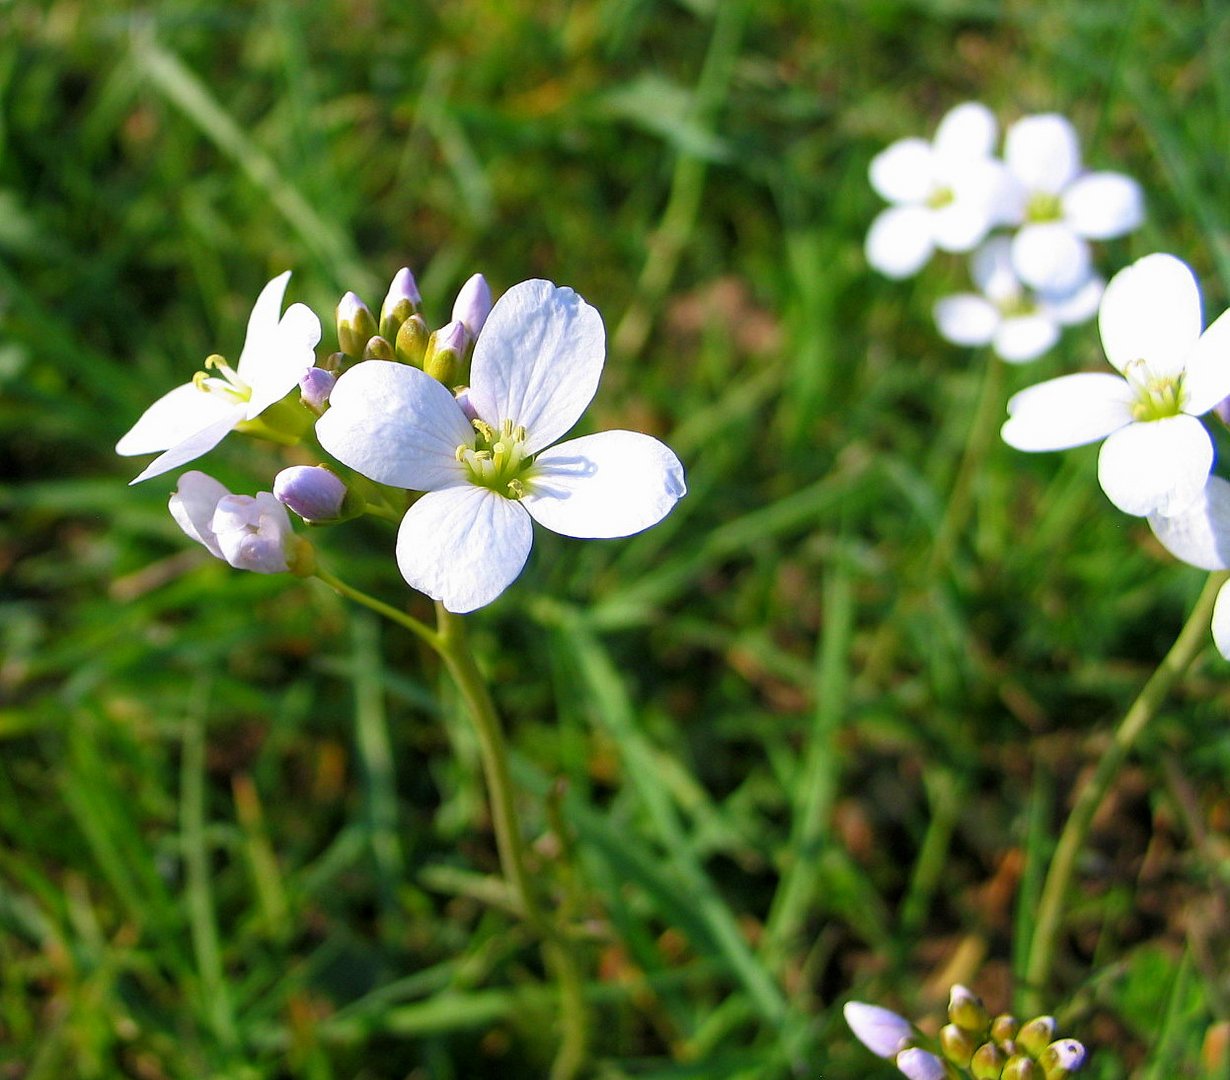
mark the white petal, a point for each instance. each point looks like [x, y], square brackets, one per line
[191, 448]
[1102, 205]
[1156, 467]
[991, 268]
[463, 546]
[178, 412]
[881, 1030]
[968, 131]
[1050, 257]
[537, 361]
[284, 357]
[1078, 306]
[900, 240]
[615, 483]
[1043, 152]
[395, 425]
[961, 225]
[966, 319]
[262, 323]
[1207, 368]
[1068, 411]
[1025, 337]
[902, 172]
[1151, 312]
[192, 505]
[1200, 534]
[1221, 621]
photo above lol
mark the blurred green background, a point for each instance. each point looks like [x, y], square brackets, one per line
[774, 751]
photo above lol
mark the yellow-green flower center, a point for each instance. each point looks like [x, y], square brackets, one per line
[940, 197]
[1157, 396]
[230, 385]
[497, 459]
[1043, 206]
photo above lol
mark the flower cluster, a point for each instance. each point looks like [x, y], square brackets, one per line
[951, 193]
[972, 1043]
[459, 426]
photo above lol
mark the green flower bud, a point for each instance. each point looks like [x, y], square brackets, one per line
[1004, 1029]
[988, 1062]
[1020, 1067]
[443, 360]
[378, 348]
[1063, 1058]
[1036, 1034]
[957, 1044]
[411, 344]
[402, 301]
[966, 1010]
[355, 325]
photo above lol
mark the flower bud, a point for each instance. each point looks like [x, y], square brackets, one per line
[411, 344]
[966, 1010]
[254, 533]
[355, 325]
[401, 301]
[1020, 1067]
[443, 359]
[462, 396]
[473, 304]
[333, 363]
[1034, 1036]
[378, 348]
[1004, 1028]
[988, 1062]
[315, 387]
[920, 1065]
[192, 505]
[882, 1031]
[314, 492]
[957, 1044]
[1062, 1058]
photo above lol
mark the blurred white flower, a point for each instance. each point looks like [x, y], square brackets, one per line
[535, 369]
[1059, 206]
[249, 532]
[944, 193]
[1157, 455]
[881, 1030]
[192, 419]
[1018, 324]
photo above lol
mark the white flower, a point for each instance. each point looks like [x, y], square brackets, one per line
[1060, 205]
[535, 369]
[192, 419]
[881, 1030]
[1200, 536]
[1017, 324]
[1157, 455]
[249, 532]
[945, 193]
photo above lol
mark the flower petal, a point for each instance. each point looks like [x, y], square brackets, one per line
[966, 319]
[254, 532]
[900, 240]
[186, 409]
[903, 172]
[1200, 534]
[395, 425]
[262, 323]
[615, 483]
[991, 268]
[1102, 205]
[1069, 411]
[283, 359]
[920, 1064]
[192, 505]
[1025, 337]
[1206, 379]
[881, 1030]
[463, 546]
[1156, 467]
[1050, 257]
[1043, 152]
[1078, 306]
[189, 449]
[538, 361]
[1151, 312]
[967, 130]
[1221, 621]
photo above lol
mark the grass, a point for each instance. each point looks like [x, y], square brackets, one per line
[771, 753]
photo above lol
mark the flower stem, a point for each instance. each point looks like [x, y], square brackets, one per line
[1188, 645]
[420, 630]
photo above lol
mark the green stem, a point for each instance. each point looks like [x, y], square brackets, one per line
[1188, 645]
[455, 651]
[420, 630]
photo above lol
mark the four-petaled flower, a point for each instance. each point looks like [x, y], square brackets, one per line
[1157, 455]
[192, 419]
[491, 467]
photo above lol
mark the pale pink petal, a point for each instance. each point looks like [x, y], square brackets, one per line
[615, 483]
[396, 425]
[903, 172]
[537, 361]
[192, 505]
[463, 546]
[900, 241]
[1069, 411]
[1025, 337]
[178, 413]
[1043, 152]
[966, 319]
[189, 449]
[1050, 257]
[1156, 467]
[1151, 312]
[881, 1030]
[1103, 205]
[967, 131]
[1200, 534]
[1206, 380]
[1221, 621]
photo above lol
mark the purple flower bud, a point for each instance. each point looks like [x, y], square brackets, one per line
[254, 533]
[881, 1030]
[403, 289]
[467, 406]
[315, 387]
[921, 1065]
[444, 353]
[311, 491]
[192, 506]
[355, 325]
[1222, 408]
[473, 304]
